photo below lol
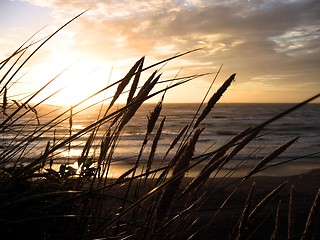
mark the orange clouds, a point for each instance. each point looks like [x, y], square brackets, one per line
[253, 39]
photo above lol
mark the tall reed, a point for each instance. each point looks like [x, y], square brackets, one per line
[45, 197]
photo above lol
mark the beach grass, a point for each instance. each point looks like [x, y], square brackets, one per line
[80, 200]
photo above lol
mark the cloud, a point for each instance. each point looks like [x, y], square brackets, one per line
[158, 22]
[254, 38]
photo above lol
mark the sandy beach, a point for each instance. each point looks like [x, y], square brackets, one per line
[204, 220]
[305, 187]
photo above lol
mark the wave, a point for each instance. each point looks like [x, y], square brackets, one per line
[224, 122]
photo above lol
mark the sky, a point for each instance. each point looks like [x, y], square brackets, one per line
[272, 46]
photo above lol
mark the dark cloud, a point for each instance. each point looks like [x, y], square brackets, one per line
[255, 28]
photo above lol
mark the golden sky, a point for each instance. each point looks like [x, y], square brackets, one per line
[273, 46]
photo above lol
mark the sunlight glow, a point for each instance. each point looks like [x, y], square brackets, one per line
[79, 79]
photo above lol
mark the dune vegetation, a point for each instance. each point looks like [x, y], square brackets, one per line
[43, 198]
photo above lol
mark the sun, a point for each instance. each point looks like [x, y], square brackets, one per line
[76, 80]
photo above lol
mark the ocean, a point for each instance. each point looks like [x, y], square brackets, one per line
[224, 122]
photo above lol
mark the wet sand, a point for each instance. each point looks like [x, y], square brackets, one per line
[284, 170]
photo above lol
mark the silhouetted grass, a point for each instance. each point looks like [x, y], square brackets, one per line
[39, 201]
